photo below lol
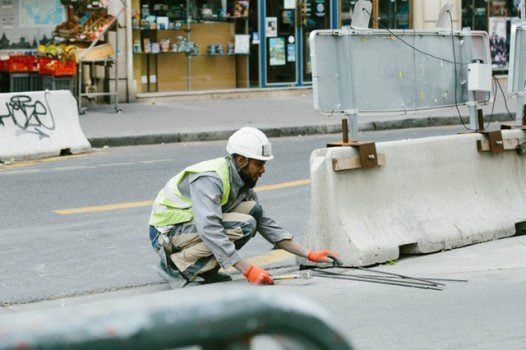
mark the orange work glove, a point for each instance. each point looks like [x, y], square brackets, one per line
[321, 255]
[256, 275]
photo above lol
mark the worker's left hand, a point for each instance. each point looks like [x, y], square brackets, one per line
[320, 255]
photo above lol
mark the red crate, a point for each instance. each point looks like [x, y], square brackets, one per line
[66, 68]
[4, 65]
[48, 66]
[18, 64]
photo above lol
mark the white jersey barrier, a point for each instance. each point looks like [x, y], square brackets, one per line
[431, 194]
[39, 124]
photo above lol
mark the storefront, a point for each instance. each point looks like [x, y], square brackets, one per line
[187, 45]
[196, 45]
[496, 17]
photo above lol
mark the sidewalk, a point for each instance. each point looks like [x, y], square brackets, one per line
[484, 311]
[167, 122]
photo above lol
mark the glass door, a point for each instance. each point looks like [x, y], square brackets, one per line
[316, 15]
[281, 42]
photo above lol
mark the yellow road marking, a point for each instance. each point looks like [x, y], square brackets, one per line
[148, 203]
[282, 185]
[26, 163]
[103, 208]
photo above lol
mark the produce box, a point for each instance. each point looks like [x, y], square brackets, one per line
[57, 67]
[18, 64]
[97, 53]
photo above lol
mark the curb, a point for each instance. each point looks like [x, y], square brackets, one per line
[286, 131]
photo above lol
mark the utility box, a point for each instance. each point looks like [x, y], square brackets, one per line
[479, 77]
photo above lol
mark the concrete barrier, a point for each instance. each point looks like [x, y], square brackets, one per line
[431, 194]
[39, 124]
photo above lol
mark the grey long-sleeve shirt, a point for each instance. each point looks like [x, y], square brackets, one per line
[205, 191]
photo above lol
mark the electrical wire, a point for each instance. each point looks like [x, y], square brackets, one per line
[504, 98]
[454, 62]
[495, 94]
[494, 90]
[412, 46]
[455, 65]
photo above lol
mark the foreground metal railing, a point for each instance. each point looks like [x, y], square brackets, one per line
[209, 318]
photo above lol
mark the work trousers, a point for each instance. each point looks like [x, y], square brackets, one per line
[190, 255]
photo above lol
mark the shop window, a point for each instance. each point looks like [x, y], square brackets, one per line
[475, 14]
[392, 14]
[496, 17]
[194, 44]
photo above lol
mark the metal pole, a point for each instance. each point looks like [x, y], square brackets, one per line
[188, 55]
[472, 106]
[519, 112]
[352, 119]
[116, 96]
[79, 80]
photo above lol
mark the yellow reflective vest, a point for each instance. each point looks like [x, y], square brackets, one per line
[171, 207]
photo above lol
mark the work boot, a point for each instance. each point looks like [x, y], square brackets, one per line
[214, 276]
[172, 276]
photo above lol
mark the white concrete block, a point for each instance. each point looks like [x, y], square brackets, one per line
[39, 124]
[431, 194]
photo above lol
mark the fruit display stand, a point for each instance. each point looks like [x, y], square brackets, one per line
[89, 52]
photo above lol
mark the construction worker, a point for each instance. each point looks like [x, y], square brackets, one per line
[208, 211]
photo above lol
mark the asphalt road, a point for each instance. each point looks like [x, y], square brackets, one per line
[47, 255]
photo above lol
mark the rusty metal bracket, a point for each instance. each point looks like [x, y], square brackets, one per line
[368, 157]
[494, 142]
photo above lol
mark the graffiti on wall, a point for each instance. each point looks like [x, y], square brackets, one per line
[28, 115]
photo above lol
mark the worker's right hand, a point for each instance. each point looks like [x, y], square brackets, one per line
[256, 275]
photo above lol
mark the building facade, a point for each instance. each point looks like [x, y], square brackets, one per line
[179, 46]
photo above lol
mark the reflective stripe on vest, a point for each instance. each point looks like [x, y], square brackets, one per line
[171, 207]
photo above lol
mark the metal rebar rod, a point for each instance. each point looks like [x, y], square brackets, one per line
[396, 274]
[384, 278]
[380, 282]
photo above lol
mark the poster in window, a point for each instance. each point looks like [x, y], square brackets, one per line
[242, 44]
[276, 47]
[291, 52]
[41, 13]
[501, 8]
[271, 27]
[241, 8]
[497, 42]
[289, 4]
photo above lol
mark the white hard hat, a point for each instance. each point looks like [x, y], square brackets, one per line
[251, 143]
